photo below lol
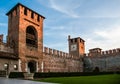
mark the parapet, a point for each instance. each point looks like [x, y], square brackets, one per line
[74, 40]
[27, 9]
[112, 52]
[57, 53]
[54, 52]
[4, 48]
[1, 38]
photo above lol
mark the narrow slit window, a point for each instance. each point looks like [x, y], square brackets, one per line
[32, 15]
[38, 18]
[25, 11]
[71, 40]
[75, 39]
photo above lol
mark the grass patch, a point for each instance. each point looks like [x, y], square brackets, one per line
[100, 79]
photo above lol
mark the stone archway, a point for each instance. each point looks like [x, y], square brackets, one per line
[31, 66]
[96, 69]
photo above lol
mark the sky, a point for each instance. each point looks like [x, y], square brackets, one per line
[95, 21]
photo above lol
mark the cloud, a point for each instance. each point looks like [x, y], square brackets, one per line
[3, 24]
[113, 33]
[67, 7]
[85, 8]
[101, 9]
[55, 27]
[105, 39]
[96, 21]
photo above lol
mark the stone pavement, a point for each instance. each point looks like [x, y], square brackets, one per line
[18, 81]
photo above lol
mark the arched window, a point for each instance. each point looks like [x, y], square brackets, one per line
[31, 36]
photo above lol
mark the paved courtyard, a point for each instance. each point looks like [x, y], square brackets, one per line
[18, 81]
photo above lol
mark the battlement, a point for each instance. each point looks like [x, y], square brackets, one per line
[25, 13]
[112, 52]
[109, 52]
[74, 40]
[1, 38]
[57, 53]
[4, 48]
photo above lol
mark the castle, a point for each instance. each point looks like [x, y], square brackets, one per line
[24, 50]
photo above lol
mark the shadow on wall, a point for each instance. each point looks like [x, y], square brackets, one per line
[87, 65]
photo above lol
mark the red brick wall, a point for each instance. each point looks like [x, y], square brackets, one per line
[58, 61]
[18, 22]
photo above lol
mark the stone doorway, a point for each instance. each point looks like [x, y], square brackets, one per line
[31, 66]
[96, 69]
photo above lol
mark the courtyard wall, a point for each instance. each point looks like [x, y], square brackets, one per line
[106, 60]
[58, 61]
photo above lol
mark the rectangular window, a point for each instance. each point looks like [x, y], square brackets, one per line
[32, 15]
[25, 11]
[71, 40]
[16, 11]
[38, 18]
[80, 40]
[75, 39]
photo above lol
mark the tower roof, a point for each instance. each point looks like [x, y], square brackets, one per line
[76, 38]
[23, 6]
[95, 49]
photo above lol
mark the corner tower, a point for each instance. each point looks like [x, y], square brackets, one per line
[25, 35]
[76, 46]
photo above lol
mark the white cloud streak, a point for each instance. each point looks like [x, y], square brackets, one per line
[3, 24]
[66, 6]
[110, 38]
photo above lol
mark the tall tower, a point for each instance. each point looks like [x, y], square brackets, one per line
[76, 46]
[25, 35]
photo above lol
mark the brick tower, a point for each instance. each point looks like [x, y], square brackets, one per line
[25, 36]
[76, 46]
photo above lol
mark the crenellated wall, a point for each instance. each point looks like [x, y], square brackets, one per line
[58, 61]
[1, 38]
[4, 48]
[112, 52]
[60, 54]
[106, 60]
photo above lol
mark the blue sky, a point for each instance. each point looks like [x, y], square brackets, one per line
[96, 21]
